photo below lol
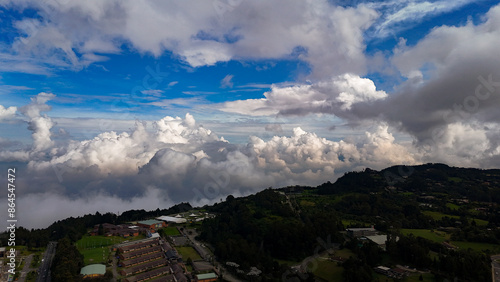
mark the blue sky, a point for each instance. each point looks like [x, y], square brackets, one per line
[263, 93]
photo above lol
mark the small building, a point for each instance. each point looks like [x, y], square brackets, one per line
[122, 230]
[152, 224]
[154, 235]
[202, 266]
[171, 254]
[382, 270]
[360, 232]
[380, 240]
[207, 277]
[93, 270]
[170, 219]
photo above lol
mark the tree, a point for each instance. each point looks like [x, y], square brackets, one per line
[100, 231]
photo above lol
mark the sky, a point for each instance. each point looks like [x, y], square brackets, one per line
[117, 105]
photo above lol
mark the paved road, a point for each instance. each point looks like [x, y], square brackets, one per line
[44, 270]
[495, 268]
[199, 246]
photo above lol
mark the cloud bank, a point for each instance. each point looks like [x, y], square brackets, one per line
[175, 159]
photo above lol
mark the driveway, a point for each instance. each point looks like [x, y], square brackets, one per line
[495, 268]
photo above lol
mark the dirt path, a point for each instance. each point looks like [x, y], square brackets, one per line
[114, 266]
[26, 269]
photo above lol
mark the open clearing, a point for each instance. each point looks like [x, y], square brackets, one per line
[188, 252]
[436, 236]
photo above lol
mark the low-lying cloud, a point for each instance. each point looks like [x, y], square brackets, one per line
[175, 159]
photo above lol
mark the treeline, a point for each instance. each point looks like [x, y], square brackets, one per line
[253, 231]
[475, 184]
[74, 228]
[67, 262]
[394, 208]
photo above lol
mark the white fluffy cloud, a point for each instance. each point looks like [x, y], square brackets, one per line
[448, 47]
[7, 113]
[331, 96]
[40, 125]
[177, 159]
[77, 33]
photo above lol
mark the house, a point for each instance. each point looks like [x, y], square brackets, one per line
[360, 232]
[207, 277]
[180, 277]
[171, 254]
[93, 270]
[382, 270]
[122, 230]
[152, 224]
[137, 245]
[380, 240]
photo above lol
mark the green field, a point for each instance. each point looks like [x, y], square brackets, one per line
[90, 242]
[440, 237]
[171, 231]
[452, 206]
[436, 236]
[455, 179]
[477, 246]
[188, 252]
[344, 253]
[480, 222]
[325, 269]
[94, 248]
[305, 203]
[438, 216]
[95, 255]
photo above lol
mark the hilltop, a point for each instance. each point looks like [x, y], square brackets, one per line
[442, 221]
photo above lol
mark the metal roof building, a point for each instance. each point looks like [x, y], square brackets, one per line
[172, 219]
[93, 270]
[206, 277]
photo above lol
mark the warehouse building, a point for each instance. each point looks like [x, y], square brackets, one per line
[171, 219]
[360, 232]
[152, 224]
[93, 270]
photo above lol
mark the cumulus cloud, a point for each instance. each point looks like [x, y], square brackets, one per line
[331, 96]
[176, 159]
[461, 67]
[449, 101]
[7, 113]
[39, 125]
